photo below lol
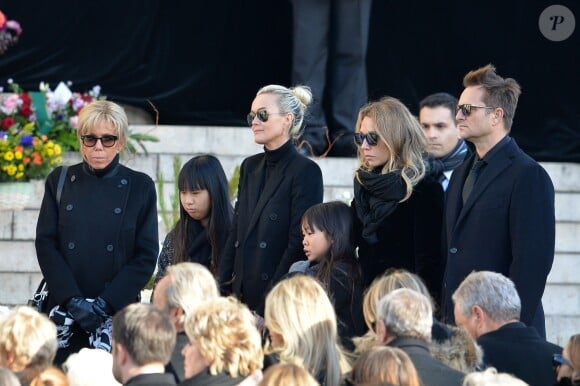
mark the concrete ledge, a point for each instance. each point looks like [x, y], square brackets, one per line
[18, 287]
[18, 256]
[560, 328]
[567, 236]
[564, 175]
[565, 269]
[562, 300]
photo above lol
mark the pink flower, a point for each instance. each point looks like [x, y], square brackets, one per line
[74, 121]
[14, 26]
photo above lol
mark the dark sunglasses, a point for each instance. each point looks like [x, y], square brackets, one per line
[466, 108]
[372, 138]
[262, 115]
[106, 140]
[558, 360]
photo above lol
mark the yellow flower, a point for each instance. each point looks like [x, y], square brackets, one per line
[57, 149]
[9, 155]
[50, 152]
[18, 155]
[10, 170]
[19, 176]
[21, 167]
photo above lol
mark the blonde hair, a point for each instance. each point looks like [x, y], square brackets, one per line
[573, 349]
[384, 365]
[29, 338]
[293, 101]
[103, 111]
[225, 333]
[51, 376]
[299, 310]
[490, 377]
[403, 136]
[288, 374]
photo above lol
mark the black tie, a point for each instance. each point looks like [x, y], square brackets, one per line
[471, 178]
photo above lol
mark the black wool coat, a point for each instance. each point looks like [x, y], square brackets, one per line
[102, 240]
[409, 238]
[266, 236]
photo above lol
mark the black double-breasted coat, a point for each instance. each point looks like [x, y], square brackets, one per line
[102, 239]
[266, 236]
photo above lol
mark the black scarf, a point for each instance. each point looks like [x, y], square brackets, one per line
[376, 196]
[198, 247]
[451, 160]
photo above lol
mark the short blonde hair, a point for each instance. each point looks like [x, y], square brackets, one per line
[299, 310]
[384, 365]
[28, 337]
[225, 333]
[90, 367]
[288, 374]
[490, 377]
[103, 111]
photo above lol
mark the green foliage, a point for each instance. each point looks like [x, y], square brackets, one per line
[233, 183]
[170, 215]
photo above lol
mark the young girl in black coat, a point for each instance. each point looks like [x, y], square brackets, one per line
[328, 242]
[205, 216]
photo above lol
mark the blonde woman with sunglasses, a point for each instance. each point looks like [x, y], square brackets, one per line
[397, 207]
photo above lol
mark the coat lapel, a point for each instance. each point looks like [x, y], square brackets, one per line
[501, 161]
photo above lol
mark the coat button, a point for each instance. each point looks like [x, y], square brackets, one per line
[117, 210]
[110, 248]
[124, 181]
[73, 178]
[453, 250]
[273, 216]
[69, 207]
[237, 244]
[264, 276]
[71, 245]
[263, 244]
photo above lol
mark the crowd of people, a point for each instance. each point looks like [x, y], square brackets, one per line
[433, 275]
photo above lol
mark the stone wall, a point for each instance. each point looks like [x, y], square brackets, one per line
[19, 272]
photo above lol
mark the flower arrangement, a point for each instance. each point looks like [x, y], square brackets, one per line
[25, 155]
[10, 30]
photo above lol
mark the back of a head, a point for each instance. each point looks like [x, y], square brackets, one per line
[50, 376]
[29, 338]
[90, 367]
[384, 365]
[145, 332]
[225, 333]
[406, 313]
[288, 374]
[493, 292]
[299, 310]
[490, 377]
[191, 284]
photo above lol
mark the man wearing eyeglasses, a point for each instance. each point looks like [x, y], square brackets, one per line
[448, 151]
[499, 213]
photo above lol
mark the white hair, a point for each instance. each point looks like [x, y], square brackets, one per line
[90, 367]
[493, 292]
[490, 377]
[406, 313]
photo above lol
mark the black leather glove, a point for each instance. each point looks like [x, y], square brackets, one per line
[102, 308]
[84, 314]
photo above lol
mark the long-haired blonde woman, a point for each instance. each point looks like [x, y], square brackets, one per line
[384, 366]
[302, 326]
[397, 207]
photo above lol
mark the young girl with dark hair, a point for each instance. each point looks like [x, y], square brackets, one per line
[328, 243]
[205, 216]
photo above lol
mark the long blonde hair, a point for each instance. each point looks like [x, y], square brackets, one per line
[299, 310]
[403, 136]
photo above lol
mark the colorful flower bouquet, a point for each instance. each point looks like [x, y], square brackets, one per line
[10, 30]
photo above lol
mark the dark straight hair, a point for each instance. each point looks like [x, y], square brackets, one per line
[204, 172]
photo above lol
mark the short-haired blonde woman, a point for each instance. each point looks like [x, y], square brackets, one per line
[275, 189]
[398, 207]
[287, 374]
[27, 343]
[302, 325]
[384, 366]
[96, 236]
[224, 345]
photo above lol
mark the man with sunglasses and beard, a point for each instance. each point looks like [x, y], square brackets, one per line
[499, 213]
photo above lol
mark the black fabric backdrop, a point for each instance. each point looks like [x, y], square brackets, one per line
[201, 62]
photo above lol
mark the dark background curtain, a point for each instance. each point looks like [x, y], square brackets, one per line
[201, 62]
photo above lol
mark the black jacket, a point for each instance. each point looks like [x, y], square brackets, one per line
[519, 350]
[102, 240]
[266, 236]
[409, 238]
[206, 379]
[431, 371]
[151, 380]
[507, 225]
